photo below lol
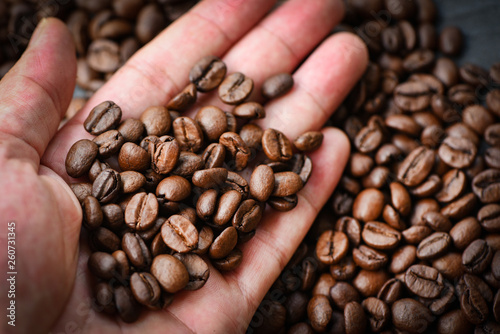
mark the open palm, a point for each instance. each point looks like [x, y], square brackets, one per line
[53, 290]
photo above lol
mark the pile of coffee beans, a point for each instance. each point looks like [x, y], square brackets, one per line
[163, 190]
[410, 240]
[106, 32]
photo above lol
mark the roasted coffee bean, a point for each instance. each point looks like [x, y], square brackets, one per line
[464, 232]
[150, 233]
[377, 178]
[351, 227]
[392, 39]
[230, 262]
[427, 188]
[368, 282]
[156, 121]
[319, 312]
[390, 291]
[309, 141]
[248, 216]
[179, 234]
[454, 322]
[205, 238]
[493, 101]
[403, 258]
[360, 164]
[261, 183]
[141, 211]
[183, 100]
[446, 71]
[214, 155]
[411, 316]
[197, 269]
[368, 258]
[127, 307]
[342, 293]
[400, 198]
[170, 273]
[403, 123]
[368, 205]
[460, 208]
[104, 117]
[136, 250]
[132, 181]
[486, 185]
[489, 217]
[104, 297]
[380, 236]
[355, 318]
[424, 281]
[420, 208]
[173, 188]
[106, 186]
[237, 149]
[252, 135]
[415, 234]
[286, 184]
[477, 118]
[102, 265]
[437, 221]
[419, 61]
[378, 313]
[92, 213]
[434, 246]
[368, 139]
[416, 166]
[332, 247]
[109, 143]
[249, 110]
[81, 190]
[212, 121]
[133, 157]
[453, 185]
[104, 240]
[492, 157]
[276, 145]
[474, 306]
[210, 178]
[207, 73]
[164, 154]
[296, 307]
[97, 168]
[228, 204]
[277, 85]
[223, 244]
[150, 21]
[207, 204]
[323, 285]
[187, 164]
[477, 257]
[145, 288]
[80, 157]
[235, 88]
[188, 134]
[450, 41]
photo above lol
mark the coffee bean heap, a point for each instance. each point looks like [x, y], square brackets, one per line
[106, 32]
[410, 240]
[176, 198]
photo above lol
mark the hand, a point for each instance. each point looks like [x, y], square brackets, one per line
[53, 291]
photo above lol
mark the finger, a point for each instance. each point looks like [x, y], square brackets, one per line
[321, 84]
[282, 40]
[276, 239]
[35, 94]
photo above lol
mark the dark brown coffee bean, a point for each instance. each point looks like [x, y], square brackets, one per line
[492, 157]
[368, 139]
[424, 281]
[132, 181]
[360, 164]
[81, 190]
[106, 186]
[170, 273]
[319, 312]
[96, 169]
[493, 101]
[156, 120]
[103, 55]
[355, 318]
[207, 204]
[446, 70]
[109, 143]
[403, 258]
[368, 258]
[92, 213]
[453, 185]
[477, 257]
[450, 41]
[380, 236]
[400, 198]
[461, 207]
[179, 234]
[368, 205]
[248, 216]
[205, 238]
[464, 232]
[188, 134]
[378, 313]
[486, 185]
[207, 73]
[214, 155]
[474, 306]
[261, 183]
[411, 316]
[212, 121]
[286, 184]
[209, 178]
[145, 288]
[392, 39]
[150, 233]
[416, 167]
[228, 204]
[223, 244]
[477, 118]
[235, 88]
[429, 187]
[434, 246]
[141, 211]
[454, 322]
[164, 154]
[127, 307]
[197, 269]
[150, 21]
[462, 94]
[342, 293]
[102, 265]
[136, 250]
[104, 297]
[415, 234]
[133, 157]
[391, 291]
[351, 227]
[183, 100]
[386, 154]
[174, 188]
[489, 217]
[420, 208]
[80, 157]
[230, 262]
[276, 145]
[104, 240]
[252, 135]
[237, 149]
[437, 221]
[323, 285]
[419, 61]
[450, 265]
[249, 110]
[400, 9]
[296, 307]
[309, 141]
[332, 247]
[403, 123]
[277, 85]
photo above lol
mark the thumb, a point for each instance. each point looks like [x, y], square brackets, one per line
[36, 92]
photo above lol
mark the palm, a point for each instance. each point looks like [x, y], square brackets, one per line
[48, 218]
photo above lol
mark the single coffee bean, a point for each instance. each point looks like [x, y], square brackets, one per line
[237, 149]
[207, 204]
[174, 188]
[106, 186]
[249, 110]
[261, 183]
[429, 187]
[378, 313]
[92, 213]
[355, 318]
[302, 165]
[276, 145]
[309, 141]
[145, 288]
[368, 204]
[228, 204]
[464, 232]
[136, 250]
[230, 262]
[205, 238]
[150, 233]
[412, 96]
[187, 164]
[410, 315]
[214, 155]
[377, 177]
[197, 269]
[150, 21]
[96, 169]
[416, 167]
[462, 94]
[286, 184]
[323, 285]
[127, 307]
[141, 211]
[156, 120]
[277, 85]
[360, 164]
[102, 265]
[477, 257]
[342, 293]
[477, 118]
[209, 178]
[492, 157]
[164, 154]
[207, 73]
[391, 291]
[183, 100]
[104, 117]
[179, 234]
[424, 281]
[283, 204]
[474, 306]
[188, 134]
[80, 157]
[402, 259]
[446, 70]
[403, 123]
[132, 181]
[380, 236]
[248, 216]
[170, 273]
[331, 247]
[415, 234]
[319, 312]
[212, 121]
[252, 135]
[224, 243]
[81, 190]
[489, 217]
[368, 258]
[450, 265]
[104, 297]
[368, 139]
[434, 246]
[133, 157]
[235, 88]
[437, 221]
[454, 322]
[109, 143]
[486, 185]
[450, 41]
[493, 101]
[453, 185]
[104, 240]
[351, 227]
[400, 198]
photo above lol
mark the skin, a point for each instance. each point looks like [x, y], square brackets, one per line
[53, 286]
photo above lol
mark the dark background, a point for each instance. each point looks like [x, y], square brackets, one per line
[480, 23]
